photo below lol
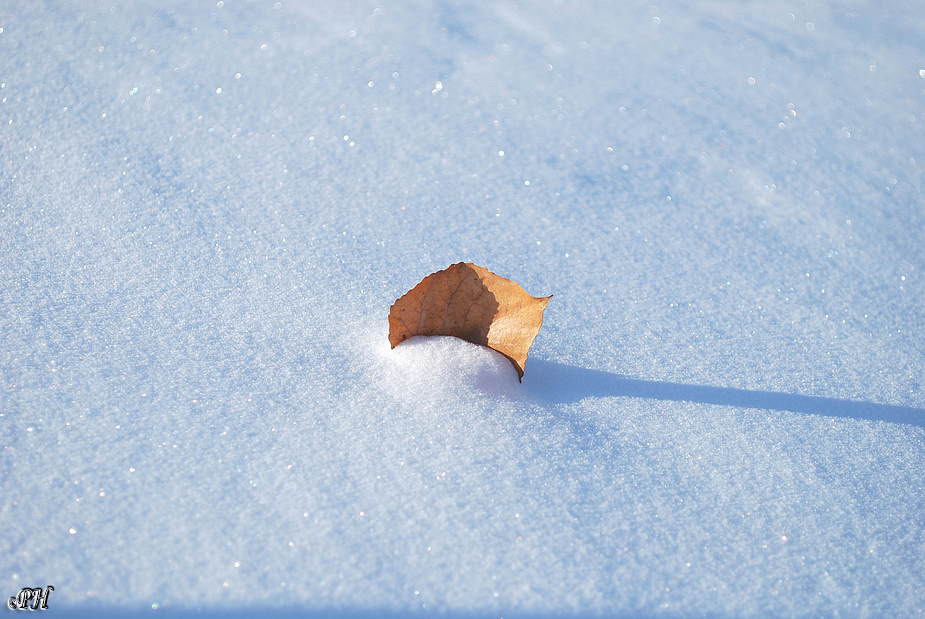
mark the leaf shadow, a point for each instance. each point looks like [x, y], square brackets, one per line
[560, 383]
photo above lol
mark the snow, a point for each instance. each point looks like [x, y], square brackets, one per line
[206, 210]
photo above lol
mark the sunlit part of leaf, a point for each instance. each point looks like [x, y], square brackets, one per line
[471, 303]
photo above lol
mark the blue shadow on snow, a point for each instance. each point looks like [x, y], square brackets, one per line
[565, 384]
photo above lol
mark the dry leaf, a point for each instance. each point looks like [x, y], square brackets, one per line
[474, 304]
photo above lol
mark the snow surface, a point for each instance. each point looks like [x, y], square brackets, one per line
[207, 208]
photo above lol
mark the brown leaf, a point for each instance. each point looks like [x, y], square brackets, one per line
[473, 304]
